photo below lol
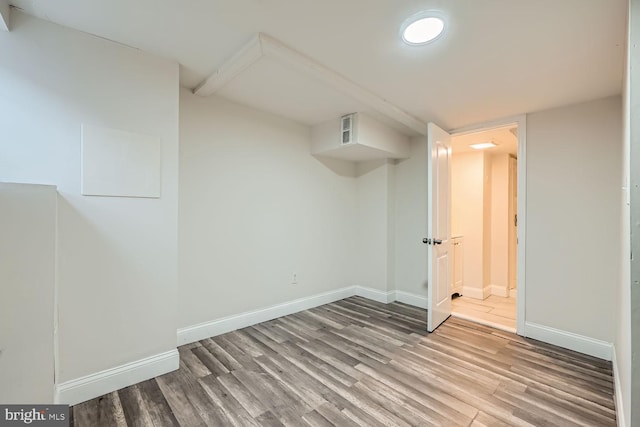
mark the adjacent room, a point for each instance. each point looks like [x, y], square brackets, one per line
[285, 212]
[484, 226]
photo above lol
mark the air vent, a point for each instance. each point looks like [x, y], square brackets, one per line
[348, 128]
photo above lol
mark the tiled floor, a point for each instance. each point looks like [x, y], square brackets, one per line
[495, 311]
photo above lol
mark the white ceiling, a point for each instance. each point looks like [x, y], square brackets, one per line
[498, 57]
[505, 139]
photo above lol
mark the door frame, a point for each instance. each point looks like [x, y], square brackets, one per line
[521, 122]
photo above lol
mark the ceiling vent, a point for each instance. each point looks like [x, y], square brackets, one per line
[358, 137]
[348, 127]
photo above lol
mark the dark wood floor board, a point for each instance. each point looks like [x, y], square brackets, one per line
[242, 394]
[319, 360]
[565, 374]
[280, 400]
[462, 376]
[159, 410]
[321, 317]
[244, 342]
[314, 419]
[475, 397]
[485, 420]
[563, 410]
[567, 366]
[334, 416]
[587, 406]
[358, 362]
[234, 412]
[270, 331]
[268, 419]
[264, 340]
[210, 361]
[110, 409]
[180, 403]
[400, 407]
[209, 410]
[297, 332]
[242, 358]
[135, 410]
[597, 396]
[444, 404]
[220, 354]
[360, 353]
[193, 364]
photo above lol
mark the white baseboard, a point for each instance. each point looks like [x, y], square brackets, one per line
[94, 385]
[498, 290]
[231, 323]
[477, 293]
[375, 294]
[575, 342]
[617, 390]
[411, 299]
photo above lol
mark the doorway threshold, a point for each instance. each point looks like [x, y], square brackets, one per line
[483, 322]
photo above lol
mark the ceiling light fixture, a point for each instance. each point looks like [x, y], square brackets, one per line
[483, 145]
[423, 27]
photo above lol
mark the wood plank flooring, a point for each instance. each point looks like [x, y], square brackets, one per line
[357, 362]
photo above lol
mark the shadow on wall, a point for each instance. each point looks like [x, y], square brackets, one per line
[339, 167]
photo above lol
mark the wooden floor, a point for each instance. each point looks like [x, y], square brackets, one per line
[493, 310]
[358, 362]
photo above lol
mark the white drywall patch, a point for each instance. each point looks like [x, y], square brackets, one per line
[120, 164]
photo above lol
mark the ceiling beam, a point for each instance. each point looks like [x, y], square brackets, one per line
[5, 14]
[264, 45]
[243, 59]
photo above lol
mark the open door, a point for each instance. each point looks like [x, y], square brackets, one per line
[439, 226]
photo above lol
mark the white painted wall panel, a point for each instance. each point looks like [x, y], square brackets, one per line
[119, 163]
[573, 217]
[117, 257]
[27, 281]
[256, 207]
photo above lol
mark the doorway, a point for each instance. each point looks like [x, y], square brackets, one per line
[484, 183]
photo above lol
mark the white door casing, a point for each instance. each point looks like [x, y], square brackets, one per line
[438, 226]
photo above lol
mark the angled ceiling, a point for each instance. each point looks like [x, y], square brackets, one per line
[498, 57]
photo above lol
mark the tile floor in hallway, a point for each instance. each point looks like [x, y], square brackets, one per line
[499, 312]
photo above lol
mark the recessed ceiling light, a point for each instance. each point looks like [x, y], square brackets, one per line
[483, 145]
[423, 27]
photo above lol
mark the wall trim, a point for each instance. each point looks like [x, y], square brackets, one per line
[483, 322]
[498, 290]
[375, 294]
[94, 385]
[420, 301]
[617, 387]
[223, 325]
[477, 293]
[569, 340]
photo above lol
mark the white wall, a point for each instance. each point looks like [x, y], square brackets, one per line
[499, 214]
[117, 261]
[468, 217]
[374, 226]
[256, 207]
[411, 220]
[573, 207]
[27, 275]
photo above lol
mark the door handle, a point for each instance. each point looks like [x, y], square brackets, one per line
[426, 241]
[437, 241]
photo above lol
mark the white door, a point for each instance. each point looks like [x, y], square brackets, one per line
[438, 228]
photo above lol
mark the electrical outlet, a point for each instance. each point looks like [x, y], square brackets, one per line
[294, 279]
